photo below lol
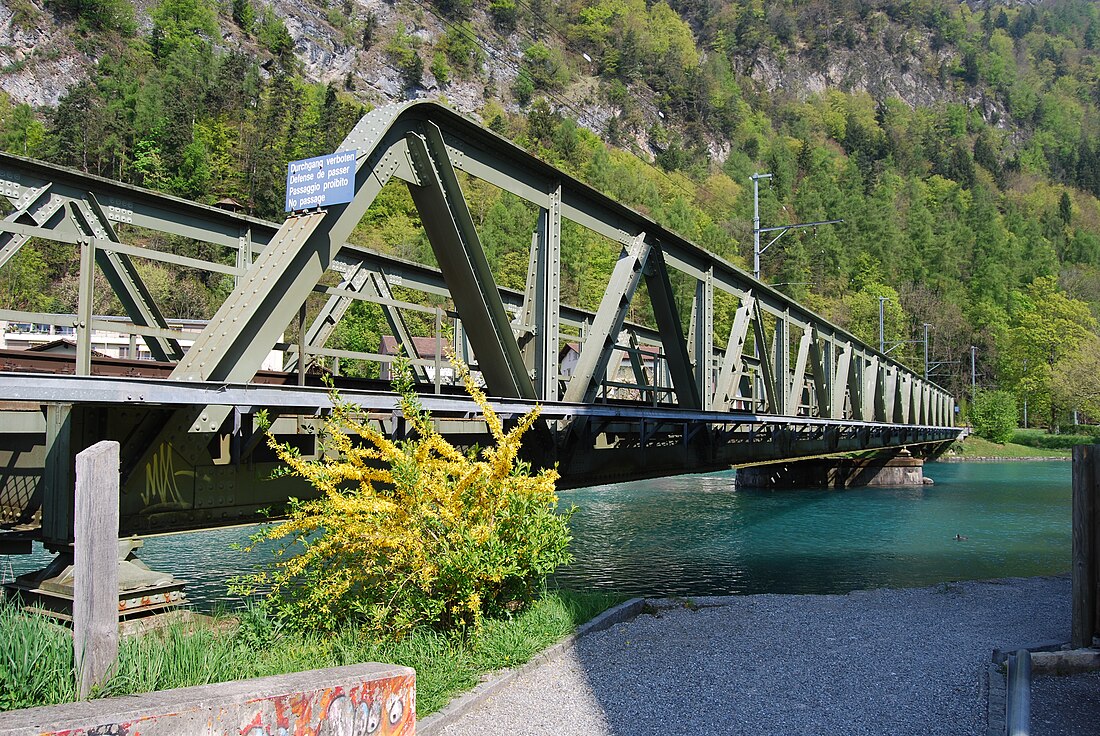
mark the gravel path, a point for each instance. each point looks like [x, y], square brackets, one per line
[1065, 706]
[872, 662]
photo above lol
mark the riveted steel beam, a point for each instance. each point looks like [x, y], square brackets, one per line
[524, 323]
[913, 396]
[856, 386]
[457, 248]
[36, 206]
[733, 360]
[821, 364]
[798, 379]
[870, 386]
[125, 280]
[889, 400]
[842, 380]
[636, 364]
[881, 377]
[599, 343]
[703, 334]
[781, 356]
[672, 332]
[131, 205]
[85, 296]
[767, 373]
[548, 297]
[905, 399]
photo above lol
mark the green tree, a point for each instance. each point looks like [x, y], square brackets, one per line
[103, 15]
[403, 54]
[993, 416]
[244, 15]
[1075, 384]
[1048, 328]
[20, 131]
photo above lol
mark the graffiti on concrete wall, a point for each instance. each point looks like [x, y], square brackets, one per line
[379, 707]
[386, 708]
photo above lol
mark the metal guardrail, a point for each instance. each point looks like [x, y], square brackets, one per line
[1018, 700]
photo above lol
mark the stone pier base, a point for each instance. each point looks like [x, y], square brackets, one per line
[900, 470]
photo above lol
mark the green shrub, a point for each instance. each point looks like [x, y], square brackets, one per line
[993, 415]
[460, 46]
[523, 88]
[504, 14]
[1041, 439]
[1089, 430]
[414, 533]
[545, 66]
[440, 70]
[402, 53]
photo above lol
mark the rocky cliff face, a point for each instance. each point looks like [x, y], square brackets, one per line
[41, 57]
[38, 59]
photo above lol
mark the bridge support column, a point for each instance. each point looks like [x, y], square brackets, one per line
[897, 470]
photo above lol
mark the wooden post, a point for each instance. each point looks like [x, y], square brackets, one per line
[1085, 458]
[95, 565]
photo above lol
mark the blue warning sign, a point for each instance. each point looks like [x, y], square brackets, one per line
[320, 181]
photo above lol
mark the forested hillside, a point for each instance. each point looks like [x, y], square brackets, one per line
[960, 146]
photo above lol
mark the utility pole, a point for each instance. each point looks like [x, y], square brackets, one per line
[881, 323]
[973, 372]
[756, 223]
[926, 326]
[781, 229]
[1025, 394]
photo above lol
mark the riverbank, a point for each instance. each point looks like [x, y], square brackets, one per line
[898, 661]
[36, 657]
[977, 449]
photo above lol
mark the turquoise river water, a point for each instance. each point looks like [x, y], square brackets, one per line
[698, 535]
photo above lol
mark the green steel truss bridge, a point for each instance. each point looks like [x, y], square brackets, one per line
[620, 400]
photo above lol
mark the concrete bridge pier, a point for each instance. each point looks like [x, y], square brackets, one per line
[895, 469]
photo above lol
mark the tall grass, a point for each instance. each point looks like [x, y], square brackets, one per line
[1041, 439]
[36, 658]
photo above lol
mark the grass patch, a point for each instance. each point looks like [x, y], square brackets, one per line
[36, 659]
[1042, 439]
[977, 447]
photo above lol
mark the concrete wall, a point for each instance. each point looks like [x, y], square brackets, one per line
[834, 473]
[358, 700]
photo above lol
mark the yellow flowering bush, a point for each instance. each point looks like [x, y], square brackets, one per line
[412, 533]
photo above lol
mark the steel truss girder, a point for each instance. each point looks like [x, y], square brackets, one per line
[547, 296]
[599, 343]
[480, 153]
[672, 333]
[733, 359]
[451, 232]
[125, 280]
[702, 352]
[36, 205]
